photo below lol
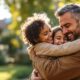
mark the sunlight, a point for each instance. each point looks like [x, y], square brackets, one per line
[5, 76]
[4, 11]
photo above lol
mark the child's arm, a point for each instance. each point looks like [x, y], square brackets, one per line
[57, 50]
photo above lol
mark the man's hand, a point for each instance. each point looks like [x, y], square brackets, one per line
[35, 75]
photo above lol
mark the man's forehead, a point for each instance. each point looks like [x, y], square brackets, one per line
[64, 22]
[65, 17]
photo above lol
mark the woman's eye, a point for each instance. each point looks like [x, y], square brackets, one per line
[45, 33]
[58, 38]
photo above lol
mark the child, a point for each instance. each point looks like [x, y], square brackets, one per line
[57, 35]
[37, 32]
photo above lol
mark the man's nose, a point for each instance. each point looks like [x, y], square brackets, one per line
[65, 30]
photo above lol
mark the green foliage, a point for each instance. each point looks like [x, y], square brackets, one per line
[16, 72]
[23, 59]
[2, 59]
[12, 40]
[21, 73]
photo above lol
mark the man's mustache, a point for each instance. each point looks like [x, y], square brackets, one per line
[69, 36]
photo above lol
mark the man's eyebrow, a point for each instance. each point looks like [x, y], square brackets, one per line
[65, 24]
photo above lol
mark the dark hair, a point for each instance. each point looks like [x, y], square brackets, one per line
[54, 31]
[72, 8]
[32, 27]
[33, 30]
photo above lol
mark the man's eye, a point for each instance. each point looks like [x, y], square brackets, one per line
[67, 25]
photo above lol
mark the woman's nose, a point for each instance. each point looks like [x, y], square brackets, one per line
[50, 34]
[62, 41]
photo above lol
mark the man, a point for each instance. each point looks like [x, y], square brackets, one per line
[69, 19]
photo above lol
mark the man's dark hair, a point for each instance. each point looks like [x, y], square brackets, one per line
[33, 30]
[72, 8]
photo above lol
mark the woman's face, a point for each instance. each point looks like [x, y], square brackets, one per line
[46, 34]
[59, 38]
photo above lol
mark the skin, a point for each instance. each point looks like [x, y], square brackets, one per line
[35, 75]
[46, 34]
[59, 38]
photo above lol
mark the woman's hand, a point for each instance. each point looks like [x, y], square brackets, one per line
[35, 75]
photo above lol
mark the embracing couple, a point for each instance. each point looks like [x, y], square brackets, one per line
[55, 54]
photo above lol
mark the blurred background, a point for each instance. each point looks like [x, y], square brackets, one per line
[14, 61]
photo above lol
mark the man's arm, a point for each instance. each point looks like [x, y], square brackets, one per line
[57, 50]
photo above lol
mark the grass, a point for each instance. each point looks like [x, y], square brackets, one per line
[12, 72]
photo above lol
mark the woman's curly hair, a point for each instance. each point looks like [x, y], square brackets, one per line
[37, 20]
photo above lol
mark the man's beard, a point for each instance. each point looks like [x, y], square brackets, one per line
[71, 36]
[77, 33]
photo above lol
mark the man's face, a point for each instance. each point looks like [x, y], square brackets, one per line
[68, 23]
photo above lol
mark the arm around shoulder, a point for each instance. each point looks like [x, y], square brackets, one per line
[48, 49]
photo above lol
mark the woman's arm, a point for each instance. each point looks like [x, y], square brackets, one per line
[57, 50]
